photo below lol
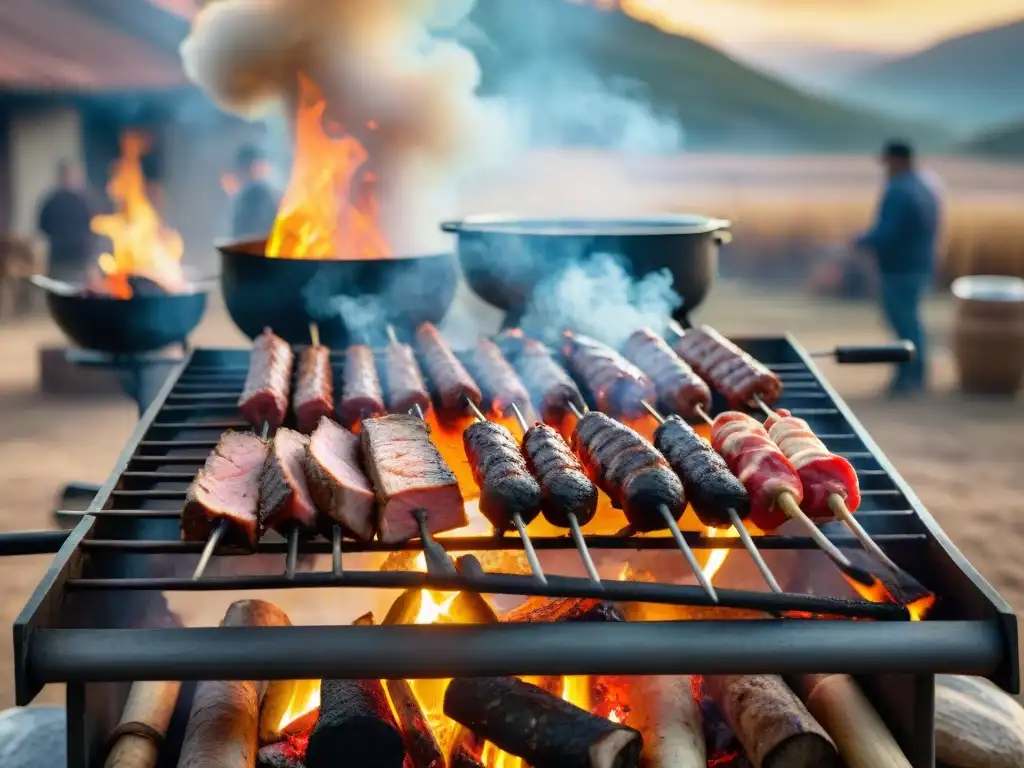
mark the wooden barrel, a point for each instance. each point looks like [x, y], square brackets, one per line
[988, 333]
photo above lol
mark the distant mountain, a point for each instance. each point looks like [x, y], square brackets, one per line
[549, 53]
[818, 68]
[968, 81]
[1007, 141]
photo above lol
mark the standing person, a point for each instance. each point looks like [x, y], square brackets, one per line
[255, 205]
[903, 242]
[64, 219]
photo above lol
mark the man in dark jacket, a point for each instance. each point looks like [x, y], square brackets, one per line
[255, 205]
[903, 242]
[64, 218]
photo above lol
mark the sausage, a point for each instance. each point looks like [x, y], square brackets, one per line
[451, 380]
[551, 388]
[730, 370]
[507, 488]
[499, 383]
[361, 396]
[314, 388]
[405, 381]
[564, 486]
[616, 384]
[759, 464]
[264, 398]
[630, 470]
[711, 488]
[679, 388]
[223, 727]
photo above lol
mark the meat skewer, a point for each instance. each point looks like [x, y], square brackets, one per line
[452, 381]
[285, 502]
[688, 478]
[636, 478]
[361, 394]
[314, 386]
[727, 368]
[500, 384]
[508, 492]
[406, 389]
[679, 388]
[616, 384]
[567, 494]
[551, 389]
[264, 397]
[831, 489]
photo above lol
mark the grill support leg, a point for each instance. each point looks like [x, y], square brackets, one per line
[907, 705]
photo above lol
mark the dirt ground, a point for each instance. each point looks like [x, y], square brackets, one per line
[963, 456]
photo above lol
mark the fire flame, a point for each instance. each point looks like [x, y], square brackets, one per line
[142, 245]
[877, 592]
[328, 210]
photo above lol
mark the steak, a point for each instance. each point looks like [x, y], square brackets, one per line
[227, 487]
[284, 495]
[337, 481]
[409, 474]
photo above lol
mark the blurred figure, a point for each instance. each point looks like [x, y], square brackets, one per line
[255, 203]
[64, 218]
[903, 241]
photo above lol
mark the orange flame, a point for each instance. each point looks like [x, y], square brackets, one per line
[328, 210]
[877, 592]
[142, 245]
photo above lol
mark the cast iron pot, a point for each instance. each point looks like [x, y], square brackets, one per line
[289, 294]
[143, 323]
[505, 257]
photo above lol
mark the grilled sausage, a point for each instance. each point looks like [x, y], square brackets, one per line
[499, 383]
[711, 488]
[361, 396]
[630, 470]
[451, 380]
[727, 368]
[314, 388]
[564, 486]
[507, 488]
[405, 381]
[679, 389]
[616, 385]
[264, 397]
[550, 387]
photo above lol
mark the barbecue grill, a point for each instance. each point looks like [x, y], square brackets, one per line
[95, 623]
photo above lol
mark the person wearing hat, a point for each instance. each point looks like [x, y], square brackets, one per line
[903, 243]
[254, 207]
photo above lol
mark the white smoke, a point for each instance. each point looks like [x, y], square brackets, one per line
[598, 297]
[378, 61]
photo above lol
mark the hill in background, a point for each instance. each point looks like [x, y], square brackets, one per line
[970, 82]
[582, 70]
[1007, 141]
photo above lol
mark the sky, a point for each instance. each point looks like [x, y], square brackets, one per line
[888, 26]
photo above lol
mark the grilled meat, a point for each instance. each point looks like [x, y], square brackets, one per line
[452, 381]
[405, 385]
[227, 488]
[361, 395]
[710, 487]
[507, 489]
[727, 368]
[499, 382]
[264, 397]
[409, 474]
[630, 470]
[551, 388]
[679, 389]
[564, 486]
[760, 465]
[337, 482]
[284, 495]
[616, 385]
[314, 388]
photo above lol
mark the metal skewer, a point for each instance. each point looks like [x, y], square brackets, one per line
[837, 504]
[219, 530]
[574, 523]
[438, 561]
[336, 568]
[293, 537]
[737, 524]
[677, 535]
[517, 520]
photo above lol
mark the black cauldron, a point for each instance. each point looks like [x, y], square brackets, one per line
[147, 322]
[347, 298]
[504, 258]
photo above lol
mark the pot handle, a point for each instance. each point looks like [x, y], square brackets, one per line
[451, 226]
[723, 237]
[50, 285]
[898, 352]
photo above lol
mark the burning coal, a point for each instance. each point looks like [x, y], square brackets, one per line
[387, 124]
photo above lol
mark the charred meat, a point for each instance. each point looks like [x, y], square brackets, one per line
[679, 388]
[337, 482]
[616, 385]
[507, 489]
[499, 383]
[405, 385]
[564, 486]
[284, 496]
[452, 381]
[551, 389]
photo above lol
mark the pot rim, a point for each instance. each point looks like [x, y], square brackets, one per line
[254, 249]
[993, 288]
[577, 226]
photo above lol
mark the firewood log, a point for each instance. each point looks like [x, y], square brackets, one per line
[139, 735]
[771, 723]
[976, 724]
[283, 754]
[356, 724]
[223, 727]
[540, 609]
[419, 735]
[664, 710]
[544, 730]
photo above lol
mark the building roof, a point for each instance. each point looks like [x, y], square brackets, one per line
[58, 45]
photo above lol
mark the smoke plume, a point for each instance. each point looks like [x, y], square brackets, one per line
[379, 62]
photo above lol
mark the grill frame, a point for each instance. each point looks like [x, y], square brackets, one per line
[895, 663]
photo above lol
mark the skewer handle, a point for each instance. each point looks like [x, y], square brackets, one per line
[314, 334]
[392, 337]
[838, 506]
[899, 352]
[520, 418]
